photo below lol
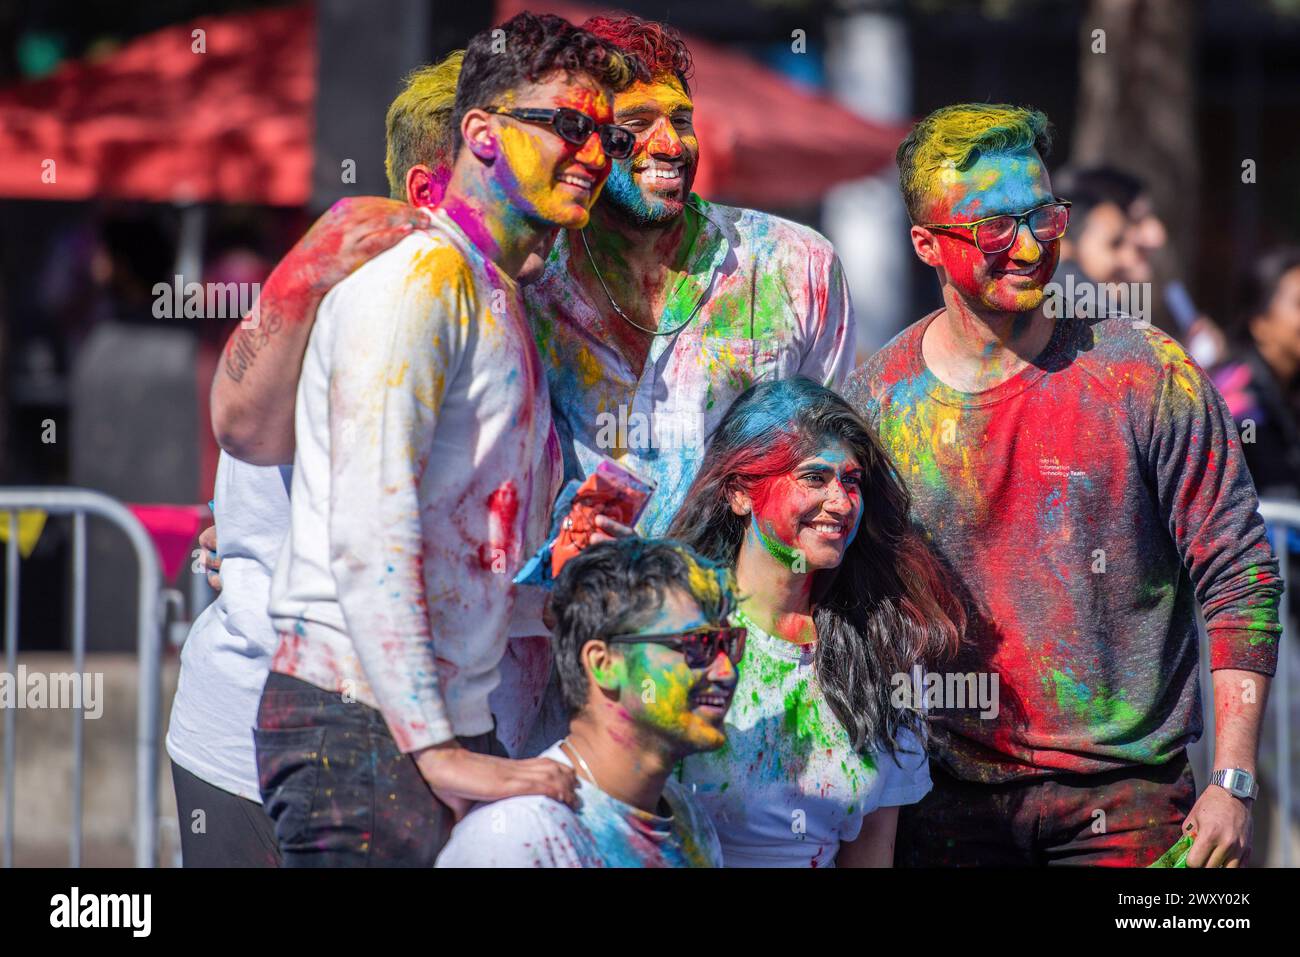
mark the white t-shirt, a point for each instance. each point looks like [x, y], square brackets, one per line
[227, 655]
[535, 831]
[787, 787]
[425, 471]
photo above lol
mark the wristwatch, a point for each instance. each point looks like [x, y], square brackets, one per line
[1238, 783]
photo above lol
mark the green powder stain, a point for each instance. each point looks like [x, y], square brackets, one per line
[782, 552]
[803, 720]
[1100, 707]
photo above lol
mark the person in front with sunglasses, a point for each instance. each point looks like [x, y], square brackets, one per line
[1083, 481]
[647, 665]
[837, 597]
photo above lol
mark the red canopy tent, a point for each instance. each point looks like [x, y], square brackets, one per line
[764, 140]
[160, 122]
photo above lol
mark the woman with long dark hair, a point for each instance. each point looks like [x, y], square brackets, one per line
[841, 600]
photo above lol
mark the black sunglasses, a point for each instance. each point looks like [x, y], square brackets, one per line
[576, 127]
[700, 648]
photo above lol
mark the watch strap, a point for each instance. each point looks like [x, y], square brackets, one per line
[1236, 781]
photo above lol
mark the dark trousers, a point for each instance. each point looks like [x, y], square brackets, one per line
[339, 791]
[220, 829]
[1122, 818]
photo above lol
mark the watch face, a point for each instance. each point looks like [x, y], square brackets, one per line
[1237, 782]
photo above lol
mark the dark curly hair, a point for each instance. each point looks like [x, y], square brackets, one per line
[657, 46]
[525, 49]
[616, 587]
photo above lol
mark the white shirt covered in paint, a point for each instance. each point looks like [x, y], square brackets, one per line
[425, 471]
[228, 651]
[536, 831]
[764, 298]
[787, 788]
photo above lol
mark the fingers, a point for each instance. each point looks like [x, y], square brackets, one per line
[1222, 850]
[554, 780]
[208, 538]
[611, 528]
[372, 244]
[458, 805]
[211, 560]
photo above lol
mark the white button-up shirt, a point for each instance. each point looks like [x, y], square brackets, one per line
[769, 301]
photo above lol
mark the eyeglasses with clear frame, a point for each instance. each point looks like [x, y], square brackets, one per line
[995, 234]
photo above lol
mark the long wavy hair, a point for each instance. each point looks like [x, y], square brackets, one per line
[885, 608]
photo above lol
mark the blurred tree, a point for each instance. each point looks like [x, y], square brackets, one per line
[1136, 103]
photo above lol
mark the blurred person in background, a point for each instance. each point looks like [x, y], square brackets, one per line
[1117, 237]
[1260, 382]
[1261, 379]
[1100, 244]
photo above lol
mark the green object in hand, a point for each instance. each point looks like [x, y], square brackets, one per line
[1176, 856]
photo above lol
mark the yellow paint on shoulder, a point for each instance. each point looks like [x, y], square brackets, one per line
[439, 266]
[395, 380]
[1174, 359]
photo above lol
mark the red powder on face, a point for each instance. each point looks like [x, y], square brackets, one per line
[778, 504]
[503, 510]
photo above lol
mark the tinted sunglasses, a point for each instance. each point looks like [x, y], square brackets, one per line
[700, 648]
[576, 127]
[995, 234]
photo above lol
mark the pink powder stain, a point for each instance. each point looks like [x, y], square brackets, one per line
[503, 512]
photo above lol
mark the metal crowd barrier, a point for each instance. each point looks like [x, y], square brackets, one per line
[1280, 516]
[79, 503]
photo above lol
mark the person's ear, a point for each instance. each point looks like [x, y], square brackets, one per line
[603, 667]
[1258, 326]
[741, 503]
[420, 186]
[476, 131]
[926, 245]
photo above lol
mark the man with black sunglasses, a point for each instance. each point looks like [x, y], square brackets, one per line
[647, 665]
[1082, 480]
[424, 441]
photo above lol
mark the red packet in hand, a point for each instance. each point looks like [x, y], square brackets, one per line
[612, 490]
